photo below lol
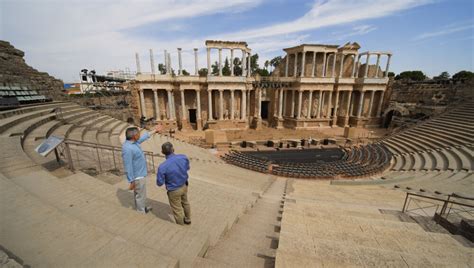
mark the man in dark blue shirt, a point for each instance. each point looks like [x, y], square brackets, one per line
[174, 174]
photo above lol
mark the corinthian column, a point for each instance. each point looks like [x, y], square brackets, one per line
[142, 102]
[232, 104]
[209, 98]
[300, 99]
[310, 100]
[221, 104]
[183, 105]
[157, 105]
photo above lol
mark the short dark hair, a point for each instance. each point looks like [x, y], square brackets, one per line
[167, 148]
[131, 132]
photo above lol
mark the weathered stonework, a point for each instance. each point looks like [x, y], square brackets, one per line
[15, 71]
[315, 86]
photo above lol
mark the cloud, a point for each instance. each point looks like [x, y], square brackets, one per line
[330, 13]
[449, 29]
[356, 30]
[62, 37]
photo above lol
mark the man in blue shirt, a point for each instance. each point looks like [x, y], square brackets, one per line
[135, 165]
[174, 174]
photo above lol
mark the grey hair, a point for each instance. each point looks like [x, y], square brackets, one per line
[167, 148]
[131, 132]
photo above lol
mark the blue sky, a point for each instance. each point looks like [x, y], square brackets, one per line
[62, 37]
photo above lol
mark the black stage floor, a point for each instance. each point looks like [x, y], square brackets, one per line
[299, 156]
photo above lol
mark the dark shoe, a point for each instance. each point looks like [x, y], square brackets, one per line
[187, 222]
[148, 209]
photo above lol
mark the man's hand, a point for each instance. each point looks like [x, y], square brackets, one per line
[131, 187]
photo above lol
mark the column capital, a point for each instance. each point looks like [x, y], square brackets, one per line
[154, 89]
[195, 49]
[220, 90]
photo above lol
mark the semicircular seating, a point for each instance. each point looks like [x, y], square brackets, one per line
[358, 162]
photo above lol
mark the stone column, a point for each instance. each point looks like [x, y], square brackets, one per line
[209, 71]
[361, 103]
[232, 104]
[209, 98]
[320, 104]
[244, 63]
[292, 103]
[333, 71]
[313, 66]
[248, 100]
[300, 99]
[303, 60]
[169, 64]
[137, 59]
[348, 108]
[157, 104]
[352, 104]
[296, 65]
[379, 108]
[180, 63]
[377, 66]
[280, 106]
[142, 102]
[249, 69]
[334, 118]
[183, 106]
[152, 61]
[372, 93]
[286, 64]
[324, 65]
[196, 66]
[170, 105]
[310, 101]
[259, 104]
[220, 61]
[285, 95]
[367, 66]
[388, 65]
[357, 66]
[354, 66]
[198, 104]
[243, 107]
[328, 113]
[341, 72]
[221, 104]
[231, 62]
[165, 55]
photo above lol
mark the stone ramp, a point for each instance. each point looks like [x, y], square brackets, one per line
[326, 225]
[162, 237]
[44, 236]
[253, 240]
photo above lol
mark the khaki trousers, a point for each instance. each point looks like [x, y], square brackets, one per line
[179, 204]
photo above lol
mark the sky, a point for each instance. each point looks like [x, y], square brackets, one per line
[62, 37]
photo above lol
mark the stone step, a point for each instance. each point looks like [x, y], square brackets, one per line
[214, 208]
[161, 236]
[44, 236]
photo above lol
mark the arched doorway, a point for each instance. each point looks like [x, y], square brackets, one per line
[389, 116]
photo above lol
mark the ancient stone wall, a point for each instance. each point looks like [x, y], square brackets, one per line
[15, 71]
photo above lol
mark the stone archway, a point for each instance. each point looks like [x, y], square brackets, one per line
[392, 111]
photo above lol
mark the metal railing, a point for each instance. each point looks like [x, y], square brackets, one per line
[82, 155]
[453, 205]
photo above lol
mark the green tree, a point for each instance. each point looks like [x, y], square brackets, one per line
[275, 62]
[226, 68]
[442, 76]
[184, 72]
[215, 68]
[391, 74]
[202, 72]
[465, 75]
[254, 63]
[411, 75]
